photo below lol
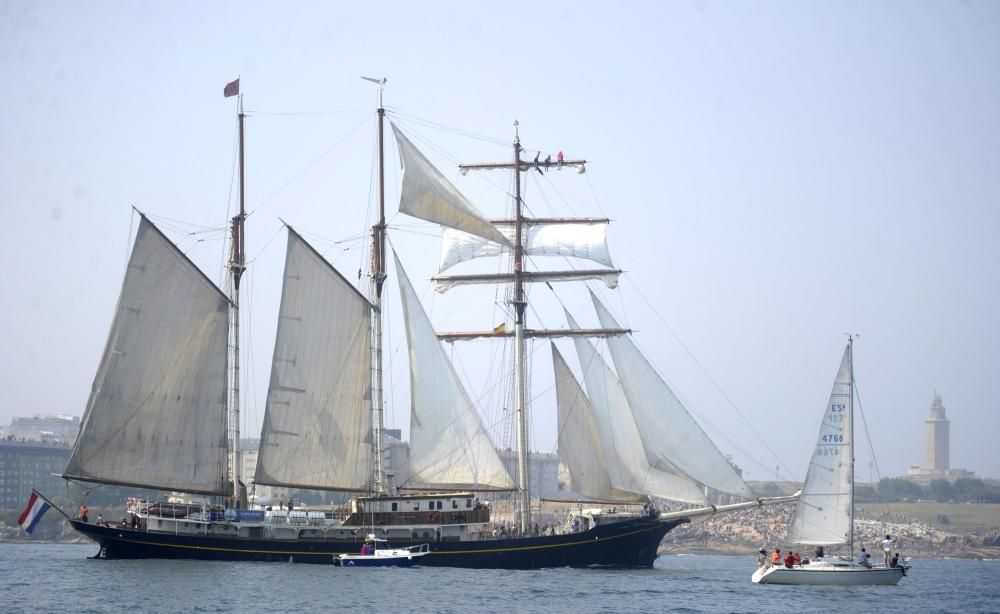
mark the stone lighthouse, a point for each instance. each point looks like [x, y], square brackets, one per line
[936, 443]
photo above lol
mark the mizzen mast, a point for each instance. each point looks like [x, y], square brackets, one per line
[378, 277]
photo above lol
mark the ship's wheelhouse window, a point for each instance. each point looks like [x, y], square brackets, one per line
[439, 505]
[454, 504]
[416, 535]
[468, 503]
[416, 505]
[394, 506]
[426, 534]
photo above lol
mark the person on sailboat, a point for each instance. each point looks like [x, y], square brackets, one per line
[819, 552]
[789, 560]
[887, 550]
[864, 558]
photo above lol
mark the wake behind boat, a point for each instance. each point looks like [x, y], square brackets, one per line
[164, 408]
[824, 513]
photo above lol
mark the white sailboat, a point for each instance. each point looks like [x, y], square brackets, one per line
[824, 513]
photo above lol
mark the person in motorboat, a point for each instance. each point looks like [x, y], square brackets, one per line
[796, 558]
[895, 560]
[761, 557]
[776, 557]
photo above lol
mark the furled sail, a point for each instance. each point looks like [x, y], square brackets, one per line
[448, 445]
[628, 468]
[426, 194]
[823, 513]
[576, 240]
[610, 278]
[580, 448]
[670, 436]
[156, 417]
[317, 423]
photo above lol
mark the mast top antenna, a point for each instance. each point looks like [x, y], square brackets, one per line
[381, 86]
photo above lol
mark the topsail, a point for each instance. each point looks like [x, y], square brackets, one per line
[426, 194]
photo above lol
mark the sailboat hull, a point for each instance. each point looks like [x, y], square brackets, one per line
[632, 543]
[829, 575]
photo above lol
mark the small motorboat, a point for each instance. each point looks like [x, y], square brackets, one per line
[374, 556]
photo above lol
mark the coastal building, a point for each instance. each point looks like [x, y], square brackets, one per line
[30, 464]
[937, 442]
[543, 471]
[45, 427]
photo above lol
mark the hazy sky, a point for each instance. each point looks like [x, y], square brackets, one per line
[778, 173]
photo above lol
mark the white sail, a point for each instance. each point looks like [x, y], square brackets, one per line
[628, 468]
[670, 436]
[823, 512]
[576, 240]
[156, 417]
[580, 449]
[610, 279]
[317, 423]
[448, 445]
[426, 194]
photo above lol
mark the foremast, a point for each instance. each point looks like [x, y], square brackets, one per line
[237, 265]
[519, 305]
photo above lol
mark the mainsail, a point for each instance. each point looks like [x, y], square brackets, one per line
[317, 424]
[823, 512]
[426, 194]
[576, 240]
[621, 441]
[670, 436]
[449, 447]
[156, 417]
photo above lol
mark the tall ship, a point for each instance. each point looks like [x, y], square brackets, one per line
[164, 409]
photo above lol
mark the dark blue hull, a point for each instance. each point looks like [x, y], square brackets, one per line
[632, 543]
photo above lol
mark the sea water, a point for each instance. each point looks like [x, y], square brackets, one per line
[61, 578]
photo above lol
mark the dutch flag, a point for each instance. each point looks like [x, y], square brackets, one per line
[33, 512]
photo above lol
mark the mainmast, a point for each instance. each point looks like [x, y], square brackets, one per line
[237, 264]
[378, 277]
[850, 443]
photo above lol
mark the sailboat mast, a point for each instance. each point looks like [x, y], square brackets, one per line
[237, 264]
[378, 277]
[519, 368]
[850, 443]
